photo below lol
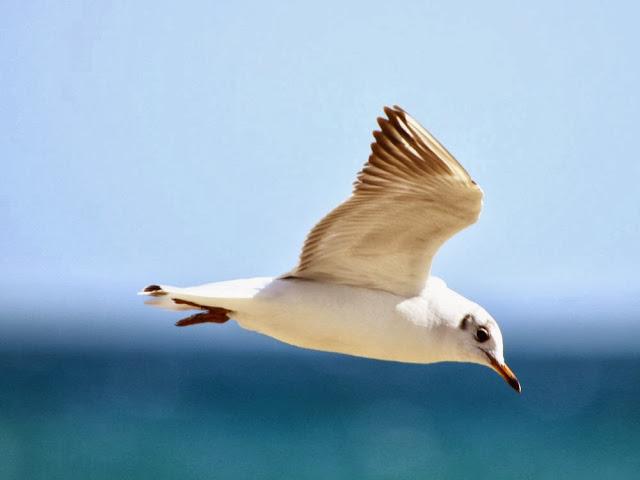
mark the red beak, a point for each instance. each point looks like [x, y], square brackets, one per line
[505, 372]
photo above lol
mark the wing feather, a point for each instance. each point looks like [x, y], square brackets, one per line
[409, 198]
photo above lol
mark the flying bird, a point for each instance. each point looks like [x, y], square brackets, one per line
[362, 285]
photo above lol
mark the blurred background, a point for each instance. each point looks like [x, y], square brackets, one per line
[156, 142]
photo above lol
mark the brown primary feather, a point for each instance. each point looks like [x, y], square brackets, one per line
[409, 198]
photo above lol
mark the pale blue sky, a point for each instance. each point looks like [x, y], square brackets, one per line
[199, 141]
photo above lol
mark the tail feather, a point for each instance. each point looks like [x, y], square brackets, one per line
[169, 298]
[229, 294]
[160, 297]
[218, 300]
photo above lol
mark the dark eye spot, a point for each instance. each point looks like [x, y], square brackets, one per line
[465, 321]
[482, 334]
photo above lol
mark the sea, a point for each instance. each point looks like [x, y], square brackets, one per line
[80, 413]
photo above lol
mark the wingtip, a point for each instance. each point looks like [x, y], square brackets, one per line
[153, 290]
[393, 110]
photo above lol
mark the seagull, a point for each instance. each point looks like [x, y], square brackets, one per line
[362, 285]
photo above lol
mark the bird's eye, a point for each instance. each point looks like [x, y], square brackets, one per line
[482, 335]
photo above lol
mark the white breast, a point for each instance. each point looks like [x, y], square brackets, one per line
[338, 318]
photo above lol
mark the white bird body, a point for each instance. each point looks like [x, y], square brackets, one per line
[363, 285]
[334, 318]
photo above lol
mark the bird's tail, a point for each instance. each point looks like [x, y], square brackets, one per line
[216, 301]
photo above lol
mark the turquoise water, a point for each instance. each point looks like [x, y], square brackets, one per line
[305, 415]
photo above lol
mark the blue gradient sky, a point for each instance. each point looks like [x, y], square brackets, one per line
[156, 142]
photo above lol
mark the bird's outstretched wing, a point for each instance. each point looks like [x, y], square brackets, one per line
[410, 197]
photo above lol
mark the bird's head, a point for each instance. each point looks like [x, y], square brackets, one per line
[470, 331]
[480, 341]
